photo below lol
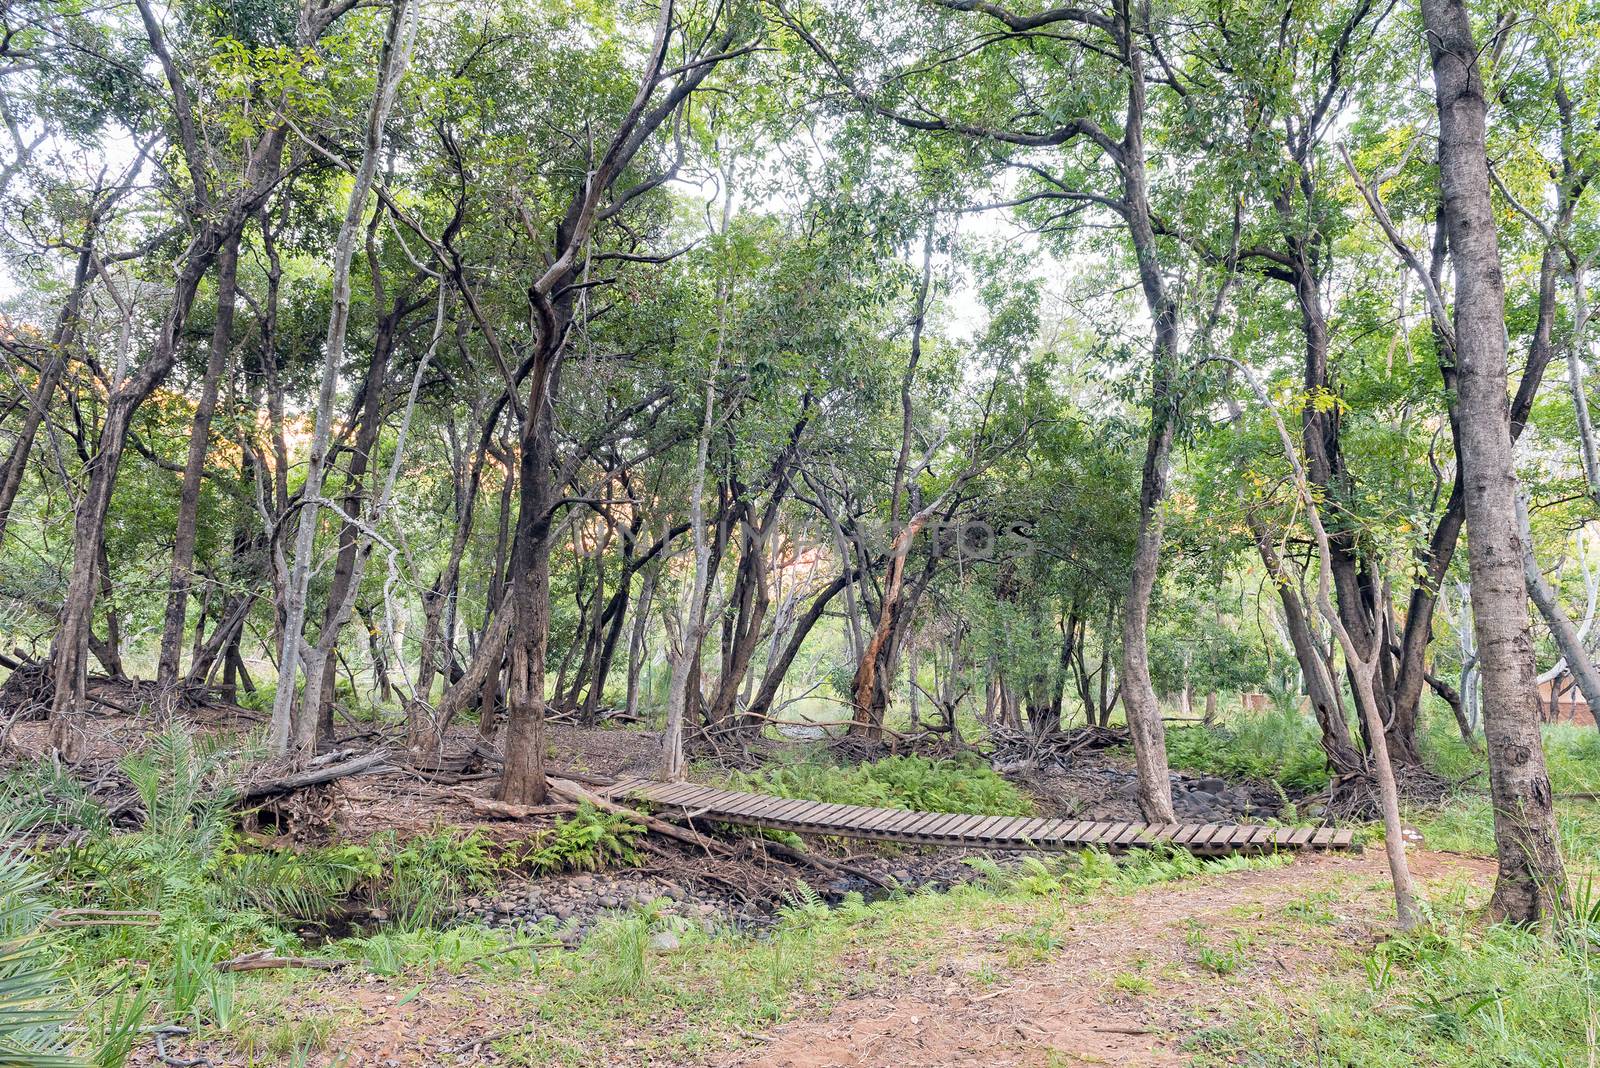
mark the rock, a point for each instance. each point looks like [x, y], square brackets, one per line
[1211, 786]
[664, 941]
[609, 902]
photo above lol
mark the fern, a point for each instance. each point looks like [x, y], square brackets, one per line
[587, 841]
[909, 782]
[31, 1015]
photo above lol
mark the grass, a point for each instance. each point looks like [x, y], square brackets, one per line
[617, 996]
[1466, 824]
[1453, 994]
[909, 782]
[1279, 744]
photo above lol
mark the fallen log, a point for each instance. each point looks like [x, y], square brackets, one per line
[100, 918]
[505, 810]
[825, 863]
[263, 959]
[369, 764]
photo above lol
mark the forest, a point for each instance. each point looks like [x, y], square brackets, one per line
[798, 532]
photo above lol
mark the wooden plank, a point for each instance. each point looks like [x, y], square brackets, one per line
[815, 814]
[964, 827]
[1300, 837]
[1031, 829]
[1344, 839]
[1263, 836]
[941, 820]
[877, 818]
[1203, 837]
[1008, 830]
[1132, 831]
[946, 828]
[668, 793]
[983, 830]
[897, 822]
[848, 817]
[1322, 838]
[784, 810]
[623, 787]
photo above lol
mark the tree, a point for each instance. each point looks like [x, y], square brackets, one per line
[1531, 880]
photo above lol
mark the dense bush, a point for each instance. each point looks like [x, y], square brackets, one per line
[910, 782]
[1280, 744]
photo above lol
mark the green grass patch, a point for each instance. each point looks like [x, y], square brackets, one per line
[1282, 745]
[911, 782]
[1466, 823]
[1454, 994]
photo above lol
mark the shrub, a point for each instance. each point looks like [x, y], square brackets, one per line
[31, 1016]
[1283, 745]
[909, 782]
[590, 839]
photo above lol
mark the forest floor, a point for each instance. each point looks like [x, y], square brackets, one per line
[1069, 959]
[1154, 976]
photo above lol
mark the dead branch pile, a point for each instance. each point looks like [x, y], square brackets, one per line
[27, 693]
[1354, 798]
[1013, 750]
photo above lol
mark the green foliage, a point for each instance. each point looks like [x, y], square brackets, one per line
[909, 782]
[1454, 993]
[1282, 745]
[586, 841]
[32, 1013]
[418, 880]
[1091, 871]
[1466, 824]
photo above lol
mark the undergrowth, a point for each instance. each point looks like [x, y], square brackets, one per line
[189, 891]
[1454, 993]
[909, 782]
[1466, 823]
[1282, 745]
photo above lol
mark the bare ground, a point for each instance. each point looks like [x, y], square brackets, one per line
[1071, 1010]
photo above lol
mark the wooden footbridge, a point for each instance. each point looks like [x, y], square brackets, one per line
[682, 800]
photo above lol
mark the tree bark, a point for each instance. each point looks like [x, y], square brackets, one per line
[1532, 879]
[182, 573]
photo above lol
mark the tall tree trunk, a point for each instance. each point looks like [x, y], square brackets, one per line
[636, 638]
[293, 731]
[1532, 879]
[182, 574]
[523, 780]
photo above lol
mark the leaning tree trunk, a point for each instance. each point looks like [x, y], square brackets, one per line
[1568, 641]
[49, 378]
[182, 574]
[1532, 878]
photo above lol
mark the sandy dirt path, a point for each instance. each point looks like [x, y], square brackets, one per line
[1285, 926]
